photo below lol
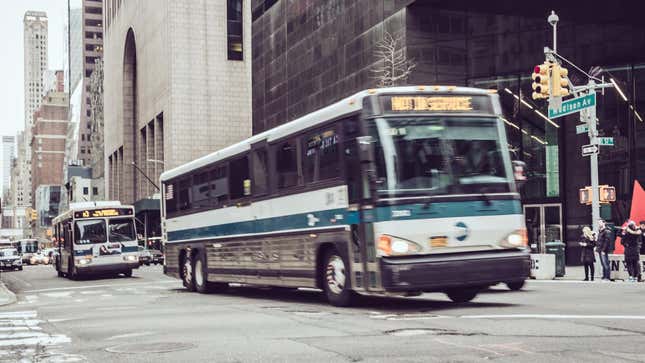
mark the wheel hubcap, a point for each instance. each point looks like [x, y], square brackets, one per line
[188, 273]
[336, 274]
[199, 275]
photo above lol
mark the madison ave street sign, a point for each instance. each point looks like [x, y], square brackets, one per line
[572, 106]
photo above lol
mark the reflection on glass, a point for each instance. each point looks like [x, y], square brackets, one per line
[89, 231]
[121, 230]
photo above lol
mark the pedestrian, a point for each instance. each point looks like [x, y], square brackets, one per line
[587, 255]
[630, 239]
[604, 248]
[641, 242]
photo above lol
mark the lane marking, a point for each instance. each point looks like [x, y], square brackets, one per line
[48, 340]
[552, 316]
[131, 335]
[30, 314]
[100, 286]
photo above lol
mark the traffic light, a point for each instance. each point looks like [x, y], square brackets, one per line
[540, 78]
[585, 195]
[33, 215]
[559, 81]
[607, 194]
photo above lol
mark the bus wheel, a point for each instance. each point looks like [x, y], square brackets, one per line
[336, 280]
[128, 273]
[462, 295]
[515, 285]
[71, 270]
[187, 273]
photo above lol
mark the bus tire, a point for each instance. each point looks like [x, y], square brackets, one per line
[515, 285]
[462, 295]
[128, 273]
[59, 273]
[186, 271]
[336, 279]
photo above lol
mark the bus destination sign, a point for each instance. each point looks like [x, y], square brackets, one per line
[436, 103]
[101, 213]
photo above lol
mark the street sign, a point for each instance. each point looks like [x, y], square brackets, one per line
[582, 129]
[588, 150]
[606, 141]
[573, 105]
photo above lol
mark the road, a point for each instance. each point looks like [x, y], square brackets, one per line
[150, 318]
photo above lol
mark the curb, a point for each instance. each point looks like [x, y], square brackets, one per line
[7, 297]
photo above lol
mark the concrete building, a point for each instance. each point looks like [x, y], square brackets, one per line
[35, 63]
[308, 54]
[75, 44]
[92, 50]
[6, 158]
[177, 87]
[48, 142]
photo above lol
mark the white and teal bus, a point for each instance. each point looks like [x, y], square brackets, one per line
[96, 237]
[391, 191]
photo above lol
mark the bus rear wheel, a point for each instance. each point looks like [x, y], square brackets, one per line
[462, 295]
[336, 279]
[186, 268]
[515, 285]
[200, 274]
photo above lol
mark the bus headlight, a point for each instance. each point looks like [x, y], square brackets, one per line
[517, 239]
[84, 261]
[393, 246]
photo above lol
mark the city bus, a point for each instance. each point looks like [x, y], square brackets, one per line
[27, 248]
[392, 191]
[96, 237]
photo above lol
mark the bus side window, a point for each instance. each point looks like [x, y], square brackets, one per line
[286, 159]
[184, 195]
[201, 192]
[260, 171]
[239, 182]
[171, 199]
[320, 155]
[219, 186]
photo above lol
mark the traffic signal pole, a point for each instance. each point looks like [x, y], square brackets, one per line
[587, 115]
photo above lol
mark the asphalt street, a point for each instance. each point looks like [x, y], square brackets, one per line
[150, 318]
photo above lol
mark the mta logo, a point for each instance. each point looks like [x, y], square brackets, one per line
[461, 231]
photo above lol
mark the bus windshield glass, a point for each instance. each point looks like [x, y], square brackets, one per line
[90, 231]
[122, 230]
[435, 156]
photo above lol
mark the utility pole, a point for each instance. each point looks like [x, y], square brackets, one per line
[593, 140]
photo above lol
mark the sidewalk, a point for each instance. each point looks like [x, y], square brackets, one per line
[6, 296]
[577, 273]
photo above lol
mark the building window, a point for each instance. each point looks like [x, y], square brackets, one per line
[86, 190]
[234, 28]
[95, 191]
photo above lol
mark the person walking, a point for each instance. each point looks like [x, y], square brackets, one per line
[630, 239]
[587, 255]
[641, 242]
[604, 248]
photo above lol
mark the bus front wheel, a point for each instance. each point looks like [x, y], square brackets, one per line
[72, 274]
[336, 279]
[462, 295]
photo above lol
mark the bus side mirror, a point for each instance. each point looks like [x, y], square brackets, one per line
[519, 172]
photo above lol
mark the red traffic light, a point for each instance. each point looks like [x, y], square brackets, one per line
[536, 69]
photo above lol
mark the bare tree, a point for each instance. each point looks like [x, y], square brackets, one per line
[392, 66]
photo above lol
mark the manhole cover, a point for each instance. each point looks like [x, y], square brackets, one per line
[142, 348]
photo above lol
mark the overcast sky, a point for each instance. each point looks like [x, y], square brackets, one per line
[11, 54]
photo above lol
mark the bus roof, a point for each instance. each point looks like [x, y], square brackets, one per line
[82, 206]
[346, 106]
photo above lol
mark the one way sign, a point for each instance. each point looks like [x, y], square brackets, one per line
[588, 150]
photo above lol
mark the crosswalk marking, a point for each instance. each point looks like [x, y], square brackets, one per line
[20, 335]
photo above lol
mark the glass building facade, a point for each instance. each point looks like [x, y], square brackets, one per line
[309, 54]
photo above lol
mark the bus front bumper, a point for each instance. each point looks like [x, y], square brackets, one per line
[108, 264]
[446, 271]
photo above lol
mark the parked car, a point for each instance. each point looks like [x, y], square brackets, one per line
[39, 258]
[157, 256]
[10, 259]
[145, 257]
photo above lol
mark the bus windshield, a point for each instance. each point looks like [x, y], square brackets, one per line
[434, 156]
[90, 231]
[122, 230]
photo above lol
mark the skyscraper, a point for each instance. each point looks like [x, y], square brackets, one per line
[35, 48]
[8, 149]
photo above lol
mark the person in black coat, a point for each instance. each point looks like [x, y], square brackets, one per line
[630, 239]
[604, 248]
[587, 256]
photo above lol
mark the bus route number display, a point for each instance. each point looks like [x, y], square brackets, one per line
[436, 103]
[100, 213]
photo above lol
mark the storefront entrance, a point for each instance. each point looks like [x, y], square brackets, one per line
[543, 224]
